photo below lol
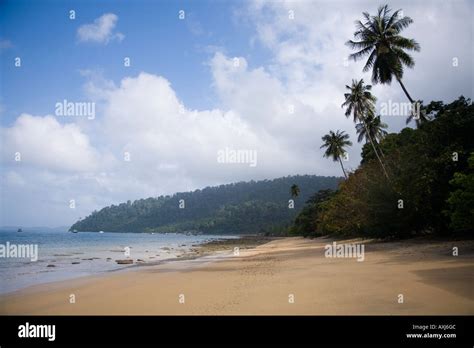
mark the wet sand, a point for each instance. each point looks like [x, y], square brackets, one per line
[282, 276]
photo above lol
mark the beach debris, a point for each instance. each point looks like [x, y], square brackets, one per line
[124, 262]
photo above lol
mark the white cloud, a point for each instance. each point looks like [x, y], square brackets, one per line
[101, 30]
[309, 51]
[171, 142]
[172, 148]
[280, 109]
[45, 143]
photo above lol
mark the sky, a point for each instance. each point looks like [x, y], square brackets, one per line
[171, 84]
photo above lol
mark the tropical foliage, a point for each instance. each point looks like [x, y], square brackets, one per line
[431, 191]
[371, 129]
[361, 104]
[294, 191]
[461, 200]
[335, 144]
[378, 37]
[244, 207]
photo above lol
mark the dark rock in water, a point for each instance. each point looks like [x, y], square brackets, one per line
[51, 266]
[124, 262]
[75, 263]
[109, 258]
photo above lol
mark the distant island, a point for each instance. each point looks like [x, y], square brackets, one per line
[267, 206]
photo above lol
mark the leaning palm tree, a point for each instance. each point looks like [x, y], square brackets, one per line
[359, 100]
[373, 128]
[419, 114]
[335, 144]
[295, 190]
[379, 37]
[360, 103]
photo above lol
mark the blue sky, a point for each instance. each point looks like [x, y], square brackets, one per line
[157, 42]
[225, 77]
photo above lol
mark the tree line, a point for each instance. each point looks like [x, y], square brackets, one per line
[415, 182]
[265, 206]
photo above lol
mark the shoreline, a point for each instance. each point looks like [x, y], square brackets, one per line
[215, 247]
[263, 276]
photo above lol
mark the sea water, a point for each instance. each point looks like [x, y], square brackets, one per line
[71, 255]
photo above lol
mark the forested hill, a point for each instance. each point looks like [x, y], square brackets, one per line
[244, 207]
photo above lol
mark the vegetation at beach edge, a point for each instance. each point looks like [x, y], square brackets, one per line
[419, 181]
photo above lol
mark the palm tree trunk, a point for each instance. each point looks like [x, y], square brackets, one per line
[381, 152]
[405, 90]
[375, 150]
[342, 167]
[380, 149]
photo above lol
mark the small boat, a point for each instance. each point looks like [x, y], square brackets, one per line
[101, 231]
[74, 231]
[19, 230]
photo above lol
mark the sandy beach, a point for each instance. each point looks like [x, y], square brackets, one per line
[283, 276]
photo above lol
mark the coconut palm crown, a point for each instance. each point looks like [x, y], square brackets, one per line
[379, 38]
[359, 101]
[335, 144]
[372, 128]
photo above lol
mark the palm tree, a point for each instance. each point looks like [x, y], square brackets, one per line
[359, 100]
[295, 190]
[420, 116]
[335, 144]
[360, 103]
[373, 128]
[379, 37]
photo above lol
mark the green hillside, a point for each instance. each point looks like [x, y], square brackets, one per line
[244, 207]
